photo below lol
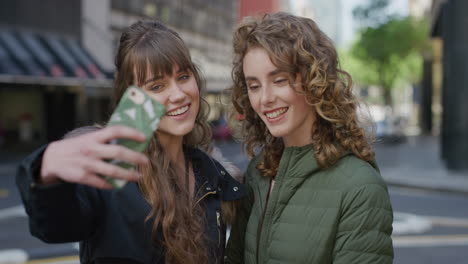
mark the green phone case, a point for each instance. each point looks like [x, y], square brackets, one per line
[138, 110]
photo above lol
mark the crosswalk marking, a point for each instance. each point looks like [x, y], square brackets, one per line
[404, 223]
[11, 256]
[58, 260]
[430, 241]
[405, 226]
[11, 212]
[449, 222]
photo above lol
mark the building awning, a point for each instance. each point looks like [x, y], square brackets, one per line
[20, 54]
[40, 53]
[83, 58]
[71, 65]
[7, 65]
[46, 59]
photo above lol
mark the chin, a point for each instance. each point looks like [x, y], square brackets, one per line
[183, 131]
[277, 133]
[178, 131]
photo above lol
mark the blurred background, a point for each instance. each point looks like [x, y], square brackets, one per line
[408, 58]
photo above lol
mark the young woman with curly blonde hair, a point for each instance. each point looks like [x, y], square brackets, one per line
[316, 195]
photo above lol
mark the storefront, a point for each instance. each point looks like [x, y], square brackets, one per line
[48, 85]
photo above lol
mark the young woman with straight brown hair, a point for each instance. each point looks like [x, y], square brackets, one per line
[176, 209]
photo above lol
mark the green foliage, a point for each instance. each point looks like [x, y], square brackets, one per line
[388, 51]
[391, 52]
[361, 72]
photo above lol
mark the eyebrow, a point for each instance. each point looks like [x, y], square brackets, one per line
[270, 74]
[152, 79]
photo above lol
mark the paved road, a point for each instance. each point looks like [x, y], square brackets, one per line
[433, 226]
[430, 227]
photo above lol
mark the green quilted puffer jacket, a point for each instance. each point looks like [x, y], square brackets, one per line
[341, 214]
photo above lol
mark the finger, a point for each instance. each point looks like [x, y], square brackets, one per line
[107, 151]
[75, 170]
[95, 181]
[113, 132]
[111, 170]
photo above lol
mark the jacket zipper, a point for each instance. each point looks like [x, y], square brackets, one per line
[260, 224]
[218, 221]
[220, 248]
[205, 195]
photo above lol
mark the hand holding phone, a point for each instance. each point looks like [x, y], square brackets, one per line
[138, 110]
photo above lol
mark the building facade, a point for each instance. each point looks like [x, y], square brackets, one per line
[45, 72]
[38, 106]
[206, 27]
[450, 71]
[327, 14]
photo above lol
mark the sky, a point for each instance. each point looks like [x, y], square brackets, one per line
[349, 27]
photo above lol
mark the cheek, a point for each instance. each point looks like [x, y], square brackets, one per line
[192, 89]
[196, 99]
[158, 97]
[194, 94]
[302, 105]
[196, 105]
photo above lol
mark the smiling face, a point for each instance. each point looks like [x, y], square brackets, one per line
[284, 111]
[179, 93]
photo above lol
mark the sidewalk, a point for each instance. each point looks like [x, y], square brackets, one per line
[417, 164]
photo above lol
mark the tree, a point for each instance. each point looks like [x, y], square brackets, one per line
[391, 49]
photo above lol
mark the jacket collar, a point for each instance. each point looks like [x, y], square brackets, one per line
[212, 177]
[300, 162]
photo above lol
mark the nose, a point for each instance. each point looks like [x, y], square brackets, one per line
[177, 93]
[267, 96]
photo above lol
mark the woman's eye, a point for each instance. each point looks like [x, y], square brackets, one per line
[155, 87]
[280, 81]
[252, 87]
[184, 77]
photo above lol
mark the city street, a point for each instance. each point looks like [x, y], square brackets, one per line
[429, 227]
[399, 68]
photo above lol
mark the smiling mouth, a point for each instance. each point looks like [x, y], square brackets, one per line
[276, 113]
[178, 111]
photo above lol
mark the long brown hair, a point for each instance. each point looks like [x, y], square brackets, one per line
[152, 45]
[296, 45]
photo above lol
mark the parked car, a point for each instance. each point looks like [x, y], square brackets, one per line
[220, 129]
[390, 131]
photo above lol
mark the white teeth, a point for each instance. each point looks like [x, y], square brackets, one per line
[178, 111]
[277, 113]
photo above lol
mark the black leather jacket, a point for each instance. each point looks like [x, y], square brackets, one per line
[110, 225]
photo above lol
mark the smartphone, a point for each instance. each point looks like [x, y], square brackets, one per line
[138, 110]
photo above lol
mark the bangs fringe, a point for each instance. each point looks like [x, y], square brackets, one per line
[160, 57]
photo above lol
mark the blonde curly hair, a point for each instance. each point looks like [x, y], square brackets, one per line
[297, 46]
